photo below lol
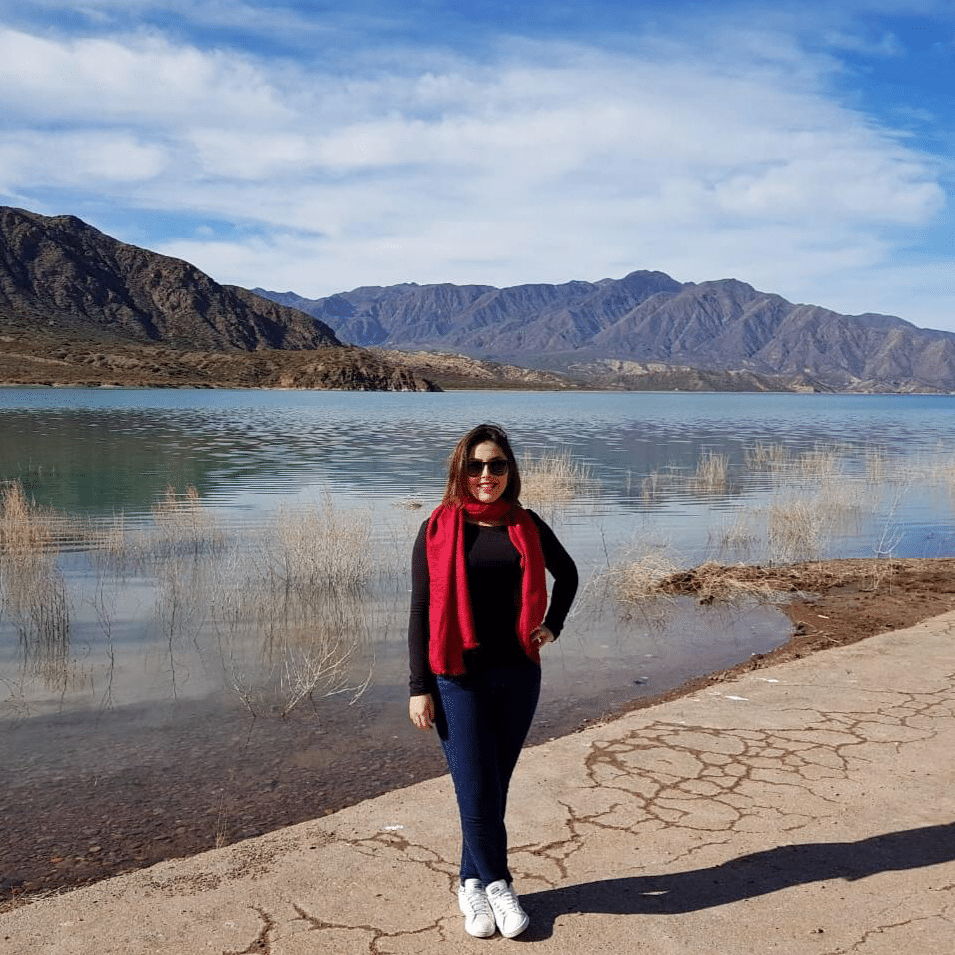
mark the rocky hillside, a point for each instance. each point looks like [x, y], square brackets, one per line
[650, 319]
[78, 307]
[40, 361]
[62, 276]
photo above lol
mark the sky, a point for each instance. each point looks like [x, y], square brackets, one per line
[806, 148]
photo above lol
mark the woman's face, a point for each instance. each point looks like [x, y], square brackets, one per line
[485, 486]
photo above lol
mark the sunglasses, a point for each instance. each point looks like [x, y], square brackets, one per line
[497, 467]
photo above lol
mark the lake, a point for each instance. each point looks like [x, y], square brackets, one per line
[224, 576]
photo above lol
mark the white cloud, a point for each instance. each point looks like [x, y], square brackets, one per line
[96, 159]
[143, 81]
[554, 162]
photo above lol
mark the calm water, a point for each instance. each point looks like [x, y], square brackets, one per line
[875, 475]
[133, 652]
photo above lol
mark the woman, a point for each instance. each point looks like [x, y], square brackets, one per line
[479, 618]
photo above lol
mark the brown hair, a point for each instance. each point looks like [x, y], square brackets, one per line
[457, 492]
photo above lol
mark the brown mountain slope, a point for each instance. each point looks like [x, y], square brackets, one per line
[64, 277]
[78, 307]
[647, 318]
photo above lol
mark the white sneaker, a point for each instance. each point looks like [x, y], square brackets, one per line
[478, 917]
[511, 919]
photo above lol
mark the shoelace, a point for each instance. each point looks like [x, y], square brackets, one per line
[478, 902]
[507, 900]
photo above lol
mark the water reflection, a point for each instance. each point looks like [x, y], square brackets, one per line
[196, 585]
[113, 452]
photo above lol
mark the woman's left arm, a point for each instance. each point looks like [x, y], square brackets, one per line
[564, 571]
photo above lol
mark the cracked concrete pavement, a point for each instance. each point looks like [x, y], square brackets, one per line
[807, 808]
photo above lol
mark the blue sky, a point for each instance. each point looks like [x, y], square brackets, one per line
[804, 147]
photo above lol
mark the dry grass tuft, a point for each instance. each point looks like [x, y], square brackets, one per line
[768, 457]
[711, 474]
[25, 529]
[554, 477]
[32, 587]
[639, 580]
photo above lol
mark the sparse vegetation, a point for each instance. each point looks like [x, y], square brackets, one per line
[767, 457]
[553, 478]
[286, 606]
[640, 579]
[32, 587]
[712, 473]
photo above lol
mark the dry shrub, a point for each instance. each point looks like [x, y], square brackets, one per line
[795, 529]
[652, 486]
[182, 528]
[32, 586]
[309, 603]
[768, 457]
[877, 466]
[554, 477]
[322, 546]
[311, 645]
[801, 526]
[738, 537]
[182, 525]
[821, 464]
[639, 580]
[712, 472]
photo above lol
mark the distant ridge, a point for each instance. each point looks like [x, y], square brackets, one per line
[648, 318]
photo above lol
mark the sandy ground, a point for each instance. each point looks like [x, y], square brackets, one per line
[86, 836]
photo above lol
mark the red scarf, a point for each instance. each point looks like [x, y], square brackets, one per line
[449, 611]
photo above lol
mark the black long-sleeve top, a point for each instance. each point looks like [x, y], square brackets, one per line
[494, 585]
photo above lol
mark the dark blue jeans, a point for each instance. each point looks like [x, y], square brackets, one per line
[482, 720]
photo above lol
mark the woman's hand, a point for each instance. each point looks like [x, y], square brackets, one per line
[542, 635]
[421, 711]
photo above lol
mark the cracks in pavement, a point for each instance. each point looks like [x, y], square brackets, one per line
[687, 789]
[409, 852]
[714, 782]
[376, 934]
[261, 945]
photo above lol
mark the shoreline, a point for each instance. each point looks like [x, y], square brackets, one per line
[286, 777]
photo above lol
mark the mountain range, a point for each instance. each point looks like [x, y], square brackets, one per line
[78, 306]
[597, 329]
